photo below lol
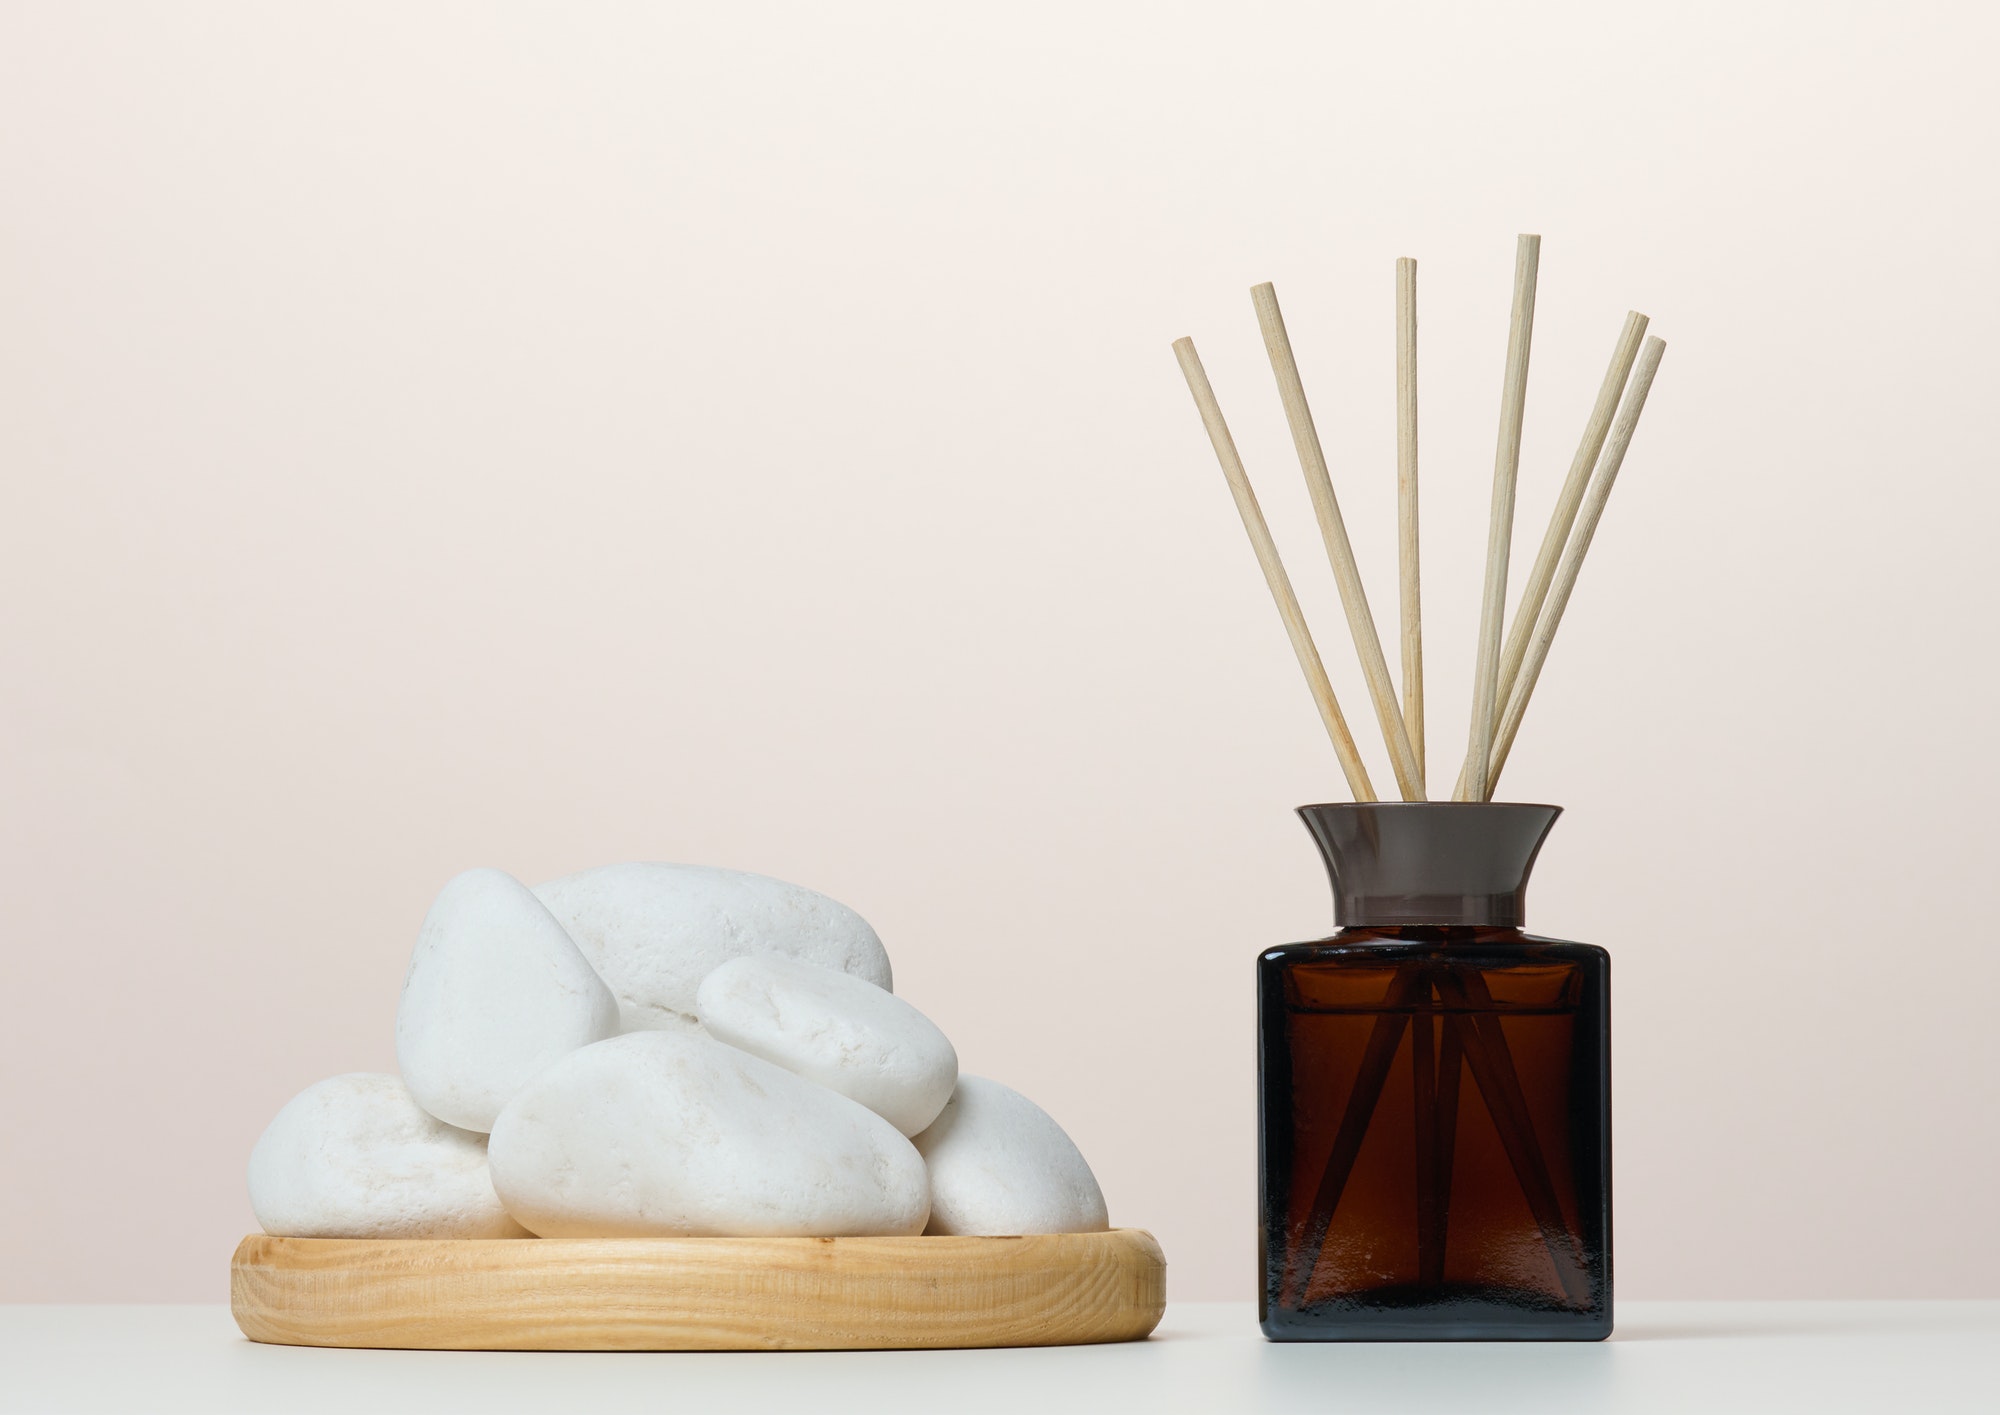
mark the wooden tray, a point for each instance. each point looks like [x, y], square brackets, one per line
[699, 1294]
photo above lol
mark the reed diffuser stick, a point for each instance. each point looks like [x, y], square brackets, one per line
[1588, 516]
[1333, 530]
[1274, 570]
[1408, 578]
[1500, 521]
[1534, 593]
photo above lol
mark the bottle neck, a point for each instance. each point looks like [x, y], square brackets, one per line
[1440, 865]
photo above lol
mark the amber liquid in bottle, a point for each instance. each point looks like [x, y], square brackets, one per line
[1434, 1121]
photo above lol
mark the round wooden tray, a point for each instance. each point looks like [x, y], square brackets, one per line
[699, 1294]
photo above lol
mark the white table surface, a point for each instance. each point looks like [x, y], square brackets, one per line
[1930, 1357]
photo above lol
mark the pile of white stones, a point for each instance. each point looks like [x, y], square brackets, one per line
[661, 1049]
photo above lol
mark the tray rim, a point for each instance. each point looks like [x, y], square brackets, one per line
[665, 1293]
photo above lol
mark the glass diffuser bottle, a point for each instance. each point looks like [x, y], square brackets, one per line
[1434, 1093]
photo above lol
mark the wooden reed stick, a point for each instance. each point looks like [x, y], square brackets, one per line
[1274, 570]
[1333, 530]
[1591, 512]
[1409, 580]
[1500, 521]
[1535, 591]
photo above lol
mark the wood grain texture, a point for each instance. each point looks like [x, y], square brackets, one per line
[700, 1294]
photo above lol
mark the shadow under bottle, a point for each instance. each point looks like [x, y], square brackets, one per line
[1434, 1090]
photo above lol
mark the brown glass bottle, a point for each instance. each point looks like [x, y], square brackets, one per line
[1434, 1092]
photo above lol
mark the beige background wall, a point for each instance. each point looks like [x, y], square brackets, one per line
[539, 436]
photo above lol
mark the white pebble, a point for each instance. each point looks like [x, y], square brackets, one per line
[657, 1133]
[653, 932]
[495, 992]
[356, 1157]
[1000, 1164]
[833, 1029]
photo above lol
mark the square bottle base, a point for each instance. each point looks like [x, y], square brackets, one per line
[1471, 1320]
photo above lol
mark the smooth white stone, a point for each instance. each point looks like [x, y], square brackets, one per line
[1000, 1164]
[835, 1030]
[356, 1157]
[495, 992]
[653, 932]
[658, 1133]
